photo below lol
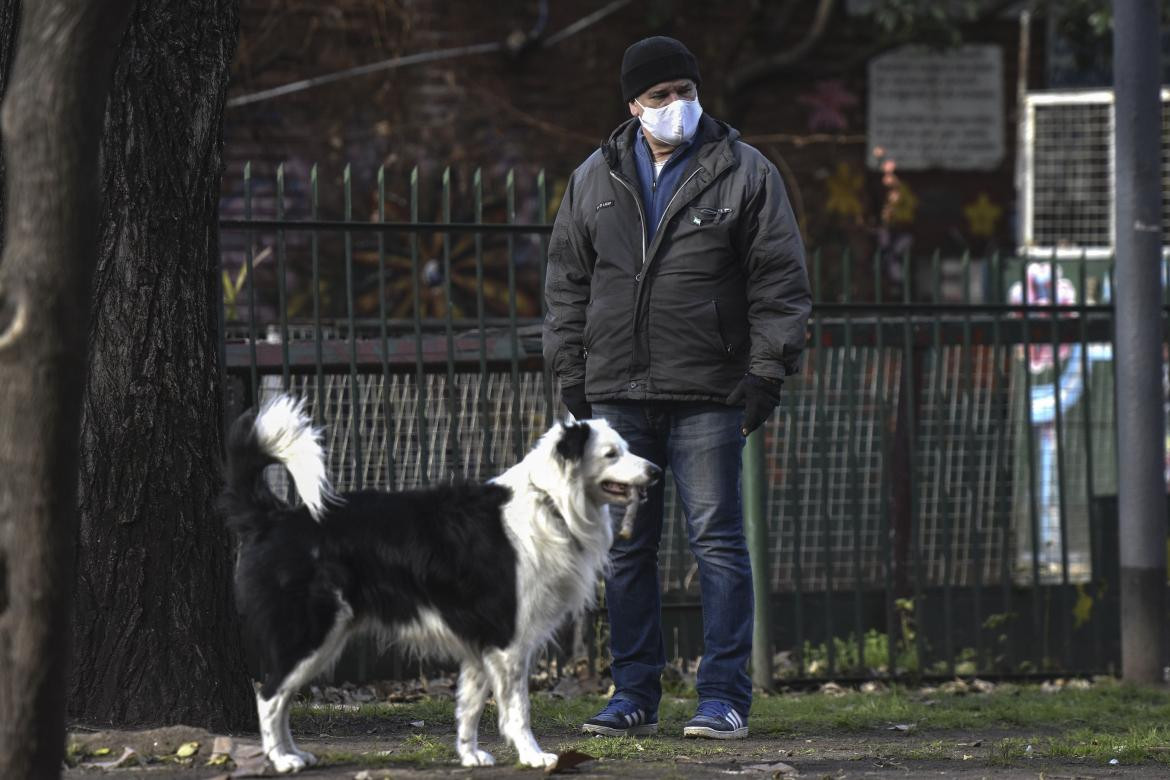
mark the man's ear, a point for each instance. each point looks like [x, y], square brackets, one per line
[574, 437]
[634, 110]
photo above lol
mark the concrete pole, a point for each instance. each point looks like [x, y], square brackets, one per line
[755, 485]
[1141, 424]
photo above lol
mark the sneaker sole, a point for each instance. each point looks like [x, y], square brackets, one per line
[706, 732]
[632, 731]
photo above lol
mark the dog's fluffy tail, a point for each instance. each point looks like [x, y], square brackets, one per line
[281, 432]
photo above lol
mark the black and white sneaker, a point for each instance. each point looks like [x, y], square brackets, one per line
[621, 718]
[716, 720]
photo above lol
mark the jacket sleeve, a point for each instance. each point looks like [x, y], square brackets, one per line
[778, 296]
[566, 291]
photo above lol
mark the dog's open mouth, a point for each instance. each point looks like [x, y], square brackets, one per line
[617, 489]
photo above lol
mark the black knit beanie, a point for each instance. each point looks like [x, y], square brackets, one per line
[652, 60]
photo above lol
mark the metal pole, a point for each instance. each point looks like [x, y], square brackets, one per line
[1141, 423]
[756, 525]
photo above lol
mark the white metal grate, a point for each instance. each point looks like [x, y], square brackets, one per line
[1067, 173]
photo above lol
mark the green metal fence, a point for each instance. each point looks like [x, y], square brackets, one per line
[940, 477]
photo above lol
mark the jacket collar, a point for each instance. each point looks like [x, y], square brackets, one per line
[714, 152]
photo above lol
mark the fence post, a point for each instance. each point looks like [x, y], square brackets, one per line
[1141, 423]
[755, 519]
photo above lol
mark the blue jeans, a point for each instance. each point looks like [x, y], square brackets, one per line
[702, 445]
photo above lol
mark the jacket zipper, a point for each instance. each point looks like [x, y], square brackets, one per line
[641, 216]
[672, 197]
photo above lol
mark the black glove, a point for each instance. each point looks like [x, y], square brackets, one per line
[573, 397]
[759, 397]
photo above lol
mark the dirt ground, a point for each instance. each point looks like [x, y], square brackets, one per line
[880, 754]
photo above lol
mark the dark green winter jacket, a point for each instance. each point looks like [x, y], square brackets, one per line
[721, 289]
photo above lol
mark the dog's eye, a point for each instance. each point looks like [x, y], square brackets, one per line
[611, 453]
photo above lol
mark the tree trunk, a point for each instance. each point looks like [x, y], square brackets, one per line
[9, 23]
[52, 121]
[155, 628]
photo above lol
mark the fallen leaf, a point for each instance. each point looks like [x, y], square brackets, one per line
[128, 757]
[902, 727]
[568, 761]
[102, 751]
[187, 749]
[418, 724]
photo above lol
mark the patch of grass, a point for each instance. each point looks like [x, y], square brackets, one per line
[1109, 707]
[923, 751]
[1136, 746]
[423, 749]
[641, 748]
[1108, 720]
[1009, 752]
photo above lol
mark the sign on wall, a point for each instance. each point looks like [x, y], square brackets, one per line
[937, 109]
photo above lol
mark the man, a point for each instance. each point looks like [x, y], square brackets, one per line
[677, 301]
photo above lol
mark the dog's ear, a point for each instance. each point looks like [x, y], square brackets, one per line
[574, 437]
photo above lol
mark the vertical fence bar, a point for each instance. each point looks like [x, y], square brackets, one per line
[250, 265]
[513, 335]
[454, 449]
[942, 479]
[314, 249]
[909, 363]
[970, 483]
[488, 458]
[1001, 502]
[1038, 623]
[387, 406]
[542, 218]
[355, 404]
[282, 298]
[420, 374]
[1061, 492]
[823, 459]
[794, 494]
[282, 282]
[852, 478]
[1087, 432]
[882, 406]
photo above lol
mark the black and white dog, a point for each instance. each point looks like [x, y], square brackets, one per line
[481, 574]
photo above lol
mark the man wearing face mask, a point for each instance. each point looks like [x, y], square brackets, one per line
[677, 301]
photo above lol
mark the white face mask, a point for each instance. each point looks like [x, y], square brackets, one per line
[673, 124]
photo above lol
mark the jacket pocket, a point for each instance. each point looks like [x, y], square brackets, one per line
[706, 216]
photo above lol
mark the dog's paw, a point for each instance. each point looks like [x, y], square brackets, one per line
[307, 757]
[478, 758]
[288, 762]
[539, 760]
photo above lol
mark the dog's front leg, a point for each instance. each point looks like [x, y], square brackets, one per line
[469, 702]
[508, 670]
[275, 735]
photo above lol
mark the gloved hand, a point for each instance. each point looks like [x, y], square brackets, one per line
[573, 396]
[759, 397]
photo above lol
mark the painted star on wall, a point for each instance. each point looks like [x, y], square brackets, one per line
[982, 216]
[903, 205]
[844, 191]
[828, 100]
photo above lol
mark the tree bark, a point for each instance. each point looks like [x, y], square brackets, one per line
[9, 24]
[155, 628]
[51, 123]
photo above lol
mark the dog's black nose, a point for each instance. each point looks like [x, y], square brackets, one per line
[653, 472]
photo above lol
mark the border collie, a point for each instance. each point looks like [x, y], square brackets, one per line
[482, 574]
